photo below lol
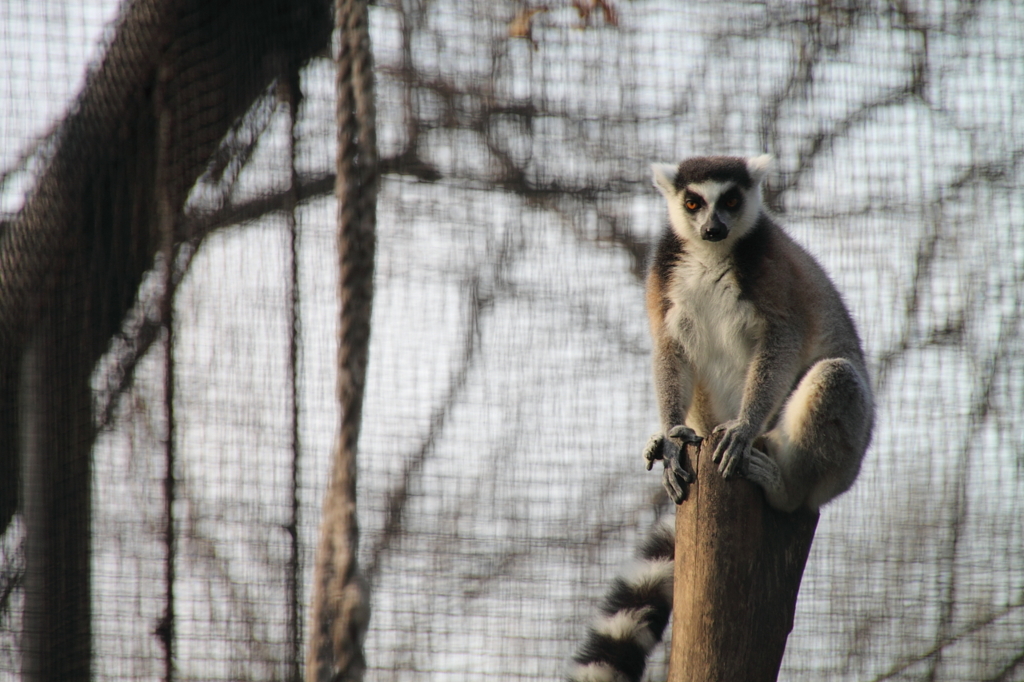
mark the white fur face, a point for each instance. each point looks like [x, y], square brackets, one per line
[712, 214]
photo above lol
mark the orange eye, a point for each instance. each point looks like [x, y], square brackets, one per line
[732, 202]
[691, 205]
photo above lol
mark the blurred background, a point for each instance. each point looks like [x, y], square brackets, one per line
[509, 394]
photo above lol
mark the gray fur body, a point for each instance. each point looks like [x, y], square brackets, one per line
[751, 338]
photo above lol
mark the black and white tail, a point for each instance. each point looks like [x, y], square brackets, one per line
[633, 615]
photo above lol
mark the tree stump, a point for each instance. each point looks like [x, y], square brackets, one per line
[738, 566]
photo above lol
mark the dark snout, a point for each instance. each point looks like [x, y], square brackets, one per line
[714, 230]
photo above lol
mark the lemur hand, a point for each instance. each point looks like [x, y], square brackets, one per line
[733, 450]
[669, 448]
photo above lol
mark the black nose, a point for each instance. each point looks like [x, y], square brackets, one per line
[716, 231]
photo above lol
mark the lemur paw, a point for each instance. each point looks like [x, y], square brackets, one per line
[684, 435]
[659, 444]
[669, 449]
[733, 450]
[762, 470]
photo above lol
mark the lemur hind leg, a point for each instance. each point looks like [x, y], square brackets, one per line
[814, 451]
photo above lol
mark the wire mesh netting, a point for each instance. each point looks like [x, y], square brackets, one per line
[167, 188]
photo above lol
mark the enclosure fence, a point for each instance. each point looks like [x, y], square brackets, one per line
[169, 323]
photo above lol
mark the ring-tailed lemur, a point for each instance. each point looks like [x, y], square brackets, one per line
[751, 339]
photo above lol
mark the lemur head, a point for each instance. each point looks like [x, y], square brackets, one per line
[712, 198]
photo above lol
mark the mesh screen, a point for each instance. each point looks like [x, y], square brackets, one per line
[509, 393]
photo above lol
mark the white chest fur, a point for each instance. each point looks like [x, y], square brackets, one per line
[716, 328]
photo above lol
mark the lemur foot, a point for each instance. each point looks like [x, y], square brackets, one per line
[762, 470]
[740, 457]
[669, 448]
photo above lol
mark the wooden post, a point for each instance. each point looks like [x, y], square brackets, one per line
[737, 573]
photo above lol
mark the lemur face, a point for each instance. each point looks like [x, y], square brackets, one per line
[711, 208]
[712, 198]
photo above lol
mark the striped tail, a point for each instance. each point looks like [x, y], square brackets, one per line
[633, 615]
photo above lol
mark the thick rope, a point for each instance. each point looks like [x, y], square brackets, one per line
[340, 609]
